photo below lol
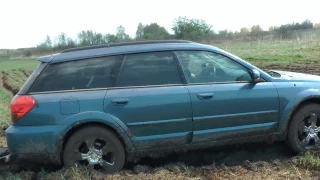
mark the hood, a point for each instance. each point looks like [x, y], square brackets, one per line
[286, 75]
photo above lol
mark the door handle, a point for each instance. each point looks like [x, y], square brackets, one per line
[205, 96]
[120, 101]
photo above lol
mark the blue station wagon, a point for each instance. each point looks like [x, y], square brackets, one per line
[102, 106]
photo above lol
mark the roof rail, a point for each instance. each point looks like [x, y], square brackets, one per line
[124, 44]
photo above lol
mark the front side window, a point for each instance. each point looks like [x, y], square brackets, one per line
[80, 74]
[143, 69]
[208, 67]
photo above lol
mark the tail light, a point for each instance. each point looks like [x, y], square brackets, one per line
[21, 105]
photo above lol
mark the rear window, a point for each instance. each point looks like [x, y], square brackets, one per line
[81, 74]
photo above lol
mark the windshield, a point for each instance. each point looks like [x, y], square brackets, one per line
[236, 57]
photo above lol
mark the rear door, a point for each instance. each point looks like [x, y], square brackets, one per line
[151, 100]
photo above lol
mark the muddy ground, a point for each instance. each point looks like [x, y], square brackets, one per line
[305, 68]
[245, 161]
[232, 155]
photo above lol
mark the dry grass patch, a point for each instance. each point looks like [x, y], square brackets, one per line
[3, 141]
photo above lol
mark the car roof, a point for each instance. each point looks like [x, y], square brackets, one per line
[123, 48]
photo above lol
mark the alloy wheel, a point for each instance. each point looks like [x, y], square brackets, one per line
[308, 131]
[94, 153]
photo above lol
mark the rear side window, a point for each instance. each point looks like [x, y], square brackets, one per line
[80, 74]
[155, 68]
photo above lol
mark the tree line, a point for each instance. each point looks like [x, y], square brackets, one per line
[183, 28]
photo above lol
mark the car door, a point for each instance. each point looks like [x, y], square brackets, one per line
[226, 103]
[151, 100]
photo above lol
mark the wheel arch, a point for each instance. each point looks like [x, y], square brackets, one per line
[286, 122]
[80, 126]
[82, 120]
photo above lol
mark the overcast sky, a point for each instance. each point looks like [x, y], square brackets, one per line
[25, 23]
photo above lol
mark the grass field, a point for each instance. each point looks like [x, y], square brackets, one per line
[276, 52]
[24, 63]
[272, 163]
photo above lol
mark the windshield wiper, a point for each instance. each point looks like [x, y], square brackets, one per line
[272, 73]
[269, 72]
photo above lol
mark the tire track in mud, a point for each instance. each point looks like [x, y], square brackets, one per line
[2, 85]
[229, 155]
[6, 85]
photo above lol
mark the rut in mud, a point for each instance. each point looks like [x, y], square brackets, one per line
[20, 77]
[231, 155]
[6, 84]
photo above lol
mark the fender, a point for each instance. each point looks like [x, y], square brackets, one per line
[293, 105]
[100, 117]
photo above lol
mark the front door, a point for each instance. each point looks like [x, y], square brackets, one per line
[226, 103]
[151, 100]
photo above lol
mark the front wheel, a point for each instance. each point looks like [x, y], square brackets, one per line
[95, 148]
[304, 128]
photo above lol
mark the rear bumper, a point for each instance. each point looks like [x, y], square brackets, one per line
[40, 144]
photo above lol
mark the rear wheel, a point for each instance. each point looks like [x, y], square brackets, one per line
[95, 148]
[304, 128]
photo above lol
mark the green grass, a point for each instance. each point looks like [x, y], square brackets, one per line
[5, 100]
[187, 170]
[21, 63]
[310, 160]
[275, 52]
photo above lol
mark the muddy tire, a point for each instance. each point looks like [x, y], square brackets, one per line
[96, 148]
[304, 128]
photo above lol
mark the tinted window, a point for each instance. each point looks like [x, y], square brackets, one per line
[80, 74]
[156, 68]
[203, 67]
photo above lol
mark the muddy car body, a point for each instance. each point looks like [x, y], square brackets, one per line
[100, 106]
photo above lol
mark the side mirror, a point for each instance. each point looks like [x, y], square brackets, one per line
[256, 76]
